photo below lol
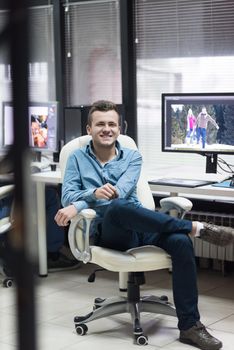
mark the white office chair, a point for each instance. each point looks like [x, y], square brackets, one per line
[5, 226]
[132, 262]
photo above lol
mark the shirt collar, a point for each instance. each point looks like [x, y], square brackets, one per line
[119, 150]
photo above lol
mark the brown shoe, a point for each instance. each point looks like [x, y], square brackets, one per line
[200, 337]
[218, 235]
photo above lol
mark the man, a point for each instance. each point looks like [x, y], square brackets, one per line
[202, 122]
[103, 176]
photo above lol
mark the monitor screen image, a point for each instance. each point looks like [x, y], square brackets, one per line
[42, 119]
[201, 123]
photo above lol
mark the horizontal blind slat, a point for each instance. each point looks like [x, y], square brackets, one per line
[182, 46]
[92, 51]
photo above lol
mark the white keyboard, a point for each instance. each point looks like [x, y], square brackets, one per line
[40, 165]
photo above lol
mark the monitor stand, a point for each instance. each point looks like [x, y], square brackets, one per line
[211, 162]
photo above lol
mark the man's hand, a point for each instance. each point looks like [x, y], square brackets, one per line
[64, 215]
[107, 191]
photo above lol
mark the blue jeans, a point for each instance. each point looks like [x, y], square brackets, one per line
[201, 132]
[55, 234]
[5, 206]
[125, 227]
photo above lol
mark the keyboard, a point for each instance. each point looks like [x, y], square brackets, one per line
[37, 167]
[181, 182]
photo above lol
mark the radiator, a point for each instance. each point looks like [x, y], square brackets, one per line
[207, 250]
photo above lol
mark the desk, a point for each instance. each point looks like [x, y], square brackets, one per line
[54, 177]
[41, 179]
[202, 191]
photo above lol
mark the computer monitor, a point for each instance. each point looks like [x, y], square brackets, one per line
[42, 122]
[198, 123]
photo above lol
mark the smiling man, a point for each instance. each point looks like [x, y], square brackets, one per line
[103, 175]
[103, 170]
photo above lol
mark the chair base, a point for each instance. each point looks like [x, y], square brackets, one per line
[6, 278]
[133, 304]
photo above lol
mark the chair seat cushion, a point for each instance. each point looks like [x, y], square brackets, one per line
[146, 258]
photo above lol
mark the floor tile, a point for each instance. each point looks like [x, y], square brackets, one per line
[4, 346]
[226, 324]
[63, 295]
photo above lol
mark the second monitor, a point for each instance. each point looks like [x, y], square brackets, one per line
[42, 126]
[199, 123]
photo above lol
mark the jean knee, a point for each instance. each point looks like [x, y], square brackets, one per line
[182, 247]
[116, 205]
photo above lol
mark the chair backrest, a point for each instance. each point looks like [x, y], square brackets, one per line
[143, 190]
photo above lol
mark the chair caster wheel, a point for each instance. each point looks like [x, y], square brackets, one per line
[99, 300]
[98, 303]
[164, 298]
[141, 339]
[8, 282]
[81, 329]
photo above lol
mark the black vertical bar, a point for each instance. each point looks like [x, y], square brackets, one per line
[22, 266]
[59, 63]
[128, 60]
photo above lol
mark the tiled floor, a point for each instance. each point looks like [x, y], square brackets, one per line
[62, 295]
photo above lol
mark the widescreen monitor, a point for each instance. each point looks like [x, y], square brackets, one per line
[198, 123]
[42, 122]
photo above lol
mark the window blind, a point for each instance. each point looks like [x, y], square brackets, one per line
[182, 46]
[92, 52]
[184, 28]
[41, 58]
[41, 54]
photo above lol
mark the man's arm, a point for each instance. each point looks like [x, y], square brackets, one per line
[107, 191]
[72, 194]
[212, 121]
[72, 189]
[128, 181]
[126, 184]
[64, 215]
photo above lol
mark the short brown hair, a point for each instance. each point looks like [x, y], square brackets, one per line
[102, 106]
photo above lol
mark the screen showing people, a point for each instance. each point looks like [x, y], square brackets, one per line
[43, 126]
[199, 123]
[42, 119]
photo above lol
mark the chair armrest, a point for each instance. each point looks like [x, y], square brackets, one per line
[6, 190]
[180, 204]
[5, 222]
[78, 235]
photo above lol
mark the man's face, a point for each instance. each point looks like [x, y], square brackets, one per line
[104, 128]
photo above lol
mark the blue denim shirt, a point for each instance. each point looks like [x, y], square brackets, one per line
[84, 173]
